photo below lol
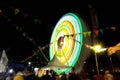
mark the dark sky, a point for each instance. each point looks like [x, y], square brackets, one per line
[19, 47]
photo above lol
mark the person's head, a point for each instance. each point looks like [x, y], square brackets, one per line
[52, 71]
[107, 72]
[47, 71]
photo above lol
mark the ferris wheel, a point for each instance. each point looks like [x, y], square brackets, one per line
[67, 41]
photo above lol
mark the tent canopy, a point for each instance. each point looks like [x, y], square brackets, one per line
[55, 64]
[3, 61]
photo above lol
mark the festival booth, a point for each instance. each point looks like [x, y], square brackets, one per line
[55, 64]
[3, 62]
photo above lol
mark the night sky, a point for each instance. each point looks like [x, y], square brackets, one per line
[37, 20]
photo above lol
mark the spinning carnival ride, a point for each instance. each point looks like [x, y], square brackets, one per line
[67, 42]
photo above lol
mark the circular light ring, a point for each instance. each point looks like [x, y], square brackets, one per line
[69, 53]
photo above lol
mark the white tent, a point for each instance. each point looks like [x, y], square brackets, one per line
[55, 64]
[3, 61]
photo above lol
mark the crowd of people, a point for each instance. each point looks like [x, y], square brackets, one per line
[51, 75]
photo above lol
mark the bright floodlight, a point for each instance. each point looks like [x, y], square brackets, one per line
[11, 71]
[97, 48]
[29, 63]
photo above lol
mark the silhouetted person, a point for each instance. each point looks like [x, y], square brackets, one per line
[64, 76]
[46, 76]
[52, 74]
[72, 75]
